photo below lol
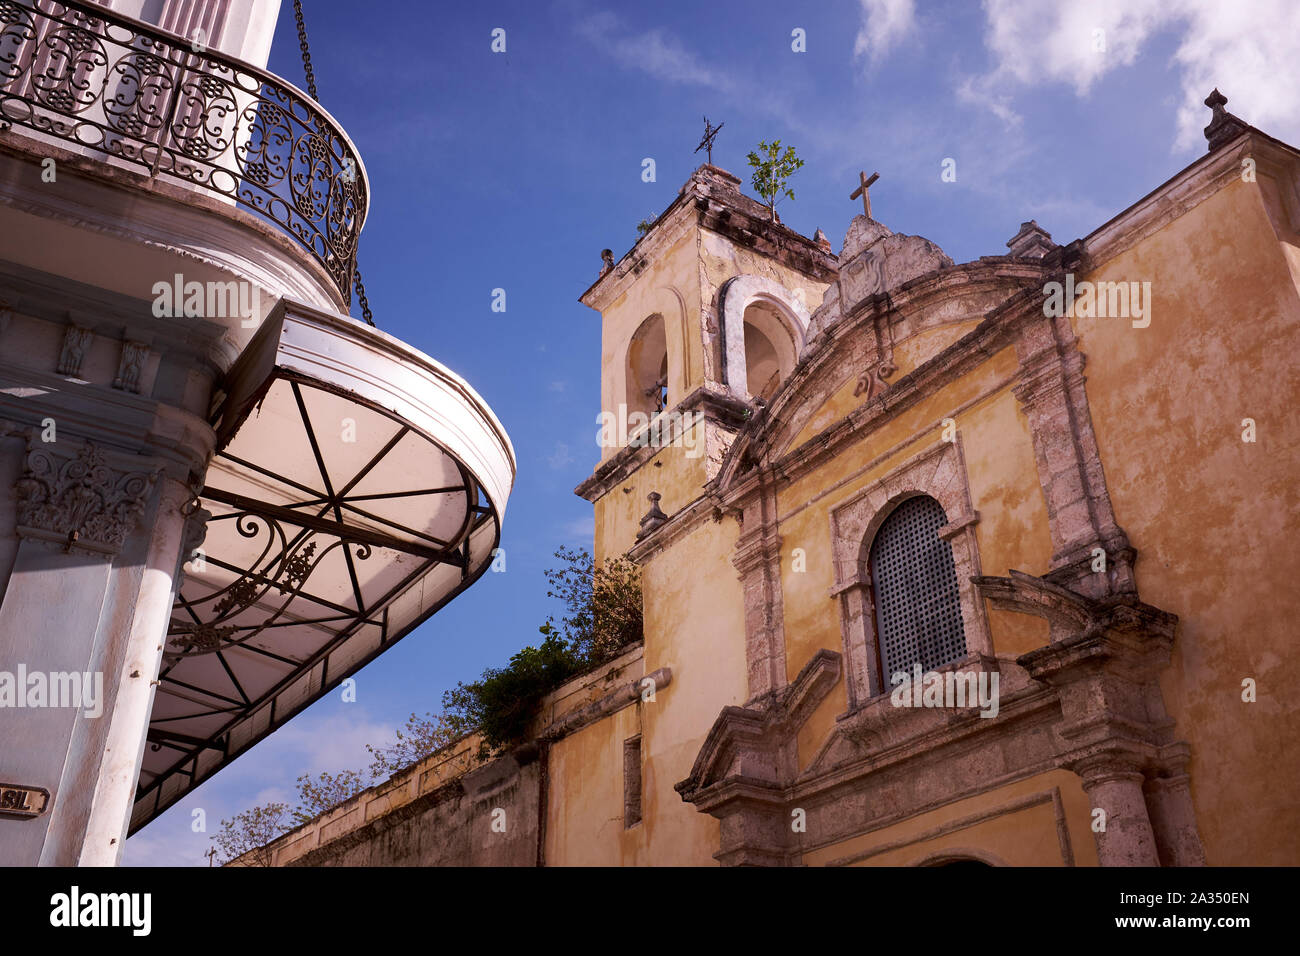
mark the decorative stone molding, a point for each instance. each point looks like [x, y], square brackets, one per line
[130, 366]
[874, 261]
[872, 381]
[1104, 659]
[76, 343]
[652, 518]
[611, 703]
[939, 472]
[1051, 797]
[79, 503]
[746, 763]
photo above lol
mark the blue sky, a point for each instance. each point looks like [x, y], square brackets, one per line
[514, 170]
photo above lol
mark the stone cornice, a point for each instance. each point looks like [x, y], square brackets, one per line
[675, 222]
[717, 406]
[1183, 192]
[180, 441]
[60, 300]
[611, 703]
[742, 742]
[711, 199]
[678, 525]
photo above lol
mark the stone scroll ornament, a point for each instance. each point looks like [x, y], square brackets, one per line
[79, 503]
[872, 382]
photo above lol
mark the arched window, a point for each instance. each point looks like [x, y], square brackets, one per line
[917, 604]
[770, 351]
[647, 367]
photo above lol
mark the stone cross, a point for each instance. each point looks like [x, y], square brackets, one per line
[706, 143]
[863, 184]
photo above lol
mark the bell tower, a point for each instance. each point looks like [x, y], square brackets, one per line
[701, 321]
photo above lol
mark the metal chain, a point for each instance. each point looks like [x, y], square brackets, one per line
[361, 295]
[306, 53]
[311, 89]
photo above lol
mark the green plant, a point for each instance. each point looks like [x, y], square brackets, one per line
[772, 172]
[604, 616]
[325, 792]
[420, 737]
[248, 832]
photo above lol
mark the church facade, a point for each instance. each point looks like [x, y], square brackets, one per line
[990, 561]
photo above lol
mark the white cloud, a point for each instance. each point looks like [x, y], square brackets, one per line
[581, 530]
[884, 24]
[656, 52]
[1249, 49]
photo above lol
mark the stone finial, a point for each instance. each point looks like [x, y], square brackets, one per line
[823, 242]
[1224, 127]
[1031, 242]
[607, 260]
[654, 517]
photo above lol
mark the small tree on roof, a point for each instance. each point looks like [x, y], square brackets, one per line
[772, 171]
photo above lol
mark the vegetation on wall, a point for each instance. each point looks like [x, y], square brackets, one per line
[602, 618]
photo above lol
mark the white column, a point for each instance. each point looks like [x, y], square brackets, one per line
[124, 749]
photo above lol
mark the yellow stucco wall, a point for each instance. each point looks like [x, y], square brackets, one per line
[1015, 825]
[693, 626]
[1215, 521]
[672, 472]
[670, 287]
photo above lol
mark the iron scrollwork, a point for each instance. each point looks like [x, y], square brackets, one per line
[220, 618]
[117, 86]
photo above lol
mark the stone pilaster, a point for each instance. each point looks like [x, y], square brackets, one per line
[1173, 817]
[758, 559]
[1080, 517]
[1104, 660]
[1125, 838]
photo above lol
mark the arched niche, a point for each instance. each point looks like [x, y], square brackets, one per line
[764, 324]
[770, 348]
[646, 368]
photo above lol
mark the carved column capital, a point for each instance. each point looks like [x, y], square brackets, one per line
[76, 500]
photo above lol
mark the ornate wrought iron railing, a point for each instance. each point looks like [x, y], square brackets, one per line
[111, 85]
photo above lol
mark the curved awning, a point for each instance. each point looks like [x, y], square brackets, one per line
[357, 488]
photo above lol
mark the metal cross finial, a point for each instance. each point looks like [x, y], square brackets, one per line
[706, 143]
[863, 184]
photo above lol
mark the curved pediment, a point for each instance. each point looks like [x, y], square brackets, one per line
[861, 358]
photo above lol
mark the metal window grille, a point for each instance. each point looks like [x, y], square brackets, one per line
[918, 609]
